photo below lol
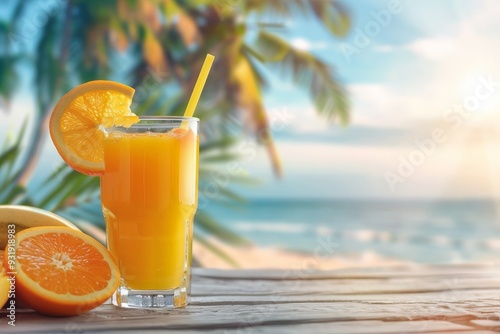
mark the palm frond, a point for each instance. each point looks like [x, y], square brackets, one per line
[232, 196]
[18, 11]
[331, 13]
[334, 16]
[66, 187]
[218, 158]
[72, 195]
[10, 167]
[84, 213]
[306, 71]
[281, 7]
[255, 70]
[48, 69]
[10, 79]
[217, 144]
[250, 100]
[238, 176]
[149, 101]
[10, 37]
[208, 224]
[158, 101]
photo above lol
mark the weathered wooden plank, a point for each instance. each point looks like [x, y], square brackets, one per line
[219, 286]
[460, 302]
[487, 323]
[484, 296]
[303, 273]
[351, 327]
[242, 316]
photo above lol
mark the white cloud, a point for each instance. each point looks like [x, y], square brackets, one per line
[306, 45]
[481, 16]
[303, 121]
[381, 105]
[449, 67]
[433, 48]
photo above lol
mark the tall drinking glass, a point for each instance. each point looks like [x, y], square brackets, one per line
[149, 195]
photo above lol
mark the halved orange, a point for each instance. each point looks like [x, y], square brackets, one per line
[4, 283]
[76, 120]
[62, 271]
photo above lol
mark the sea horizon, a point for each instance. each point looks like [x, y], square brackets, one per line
[417, 230]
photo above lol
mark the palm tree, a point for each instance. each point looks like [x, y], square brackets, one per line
[159, 46]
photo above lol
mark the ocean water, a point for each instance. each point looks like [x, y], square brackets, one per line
[417, 231]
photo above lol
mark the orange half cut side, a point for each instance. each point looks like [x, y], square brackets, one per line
[62, 271]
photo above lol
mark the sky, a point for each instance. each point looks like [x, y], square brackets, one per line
[424, 83]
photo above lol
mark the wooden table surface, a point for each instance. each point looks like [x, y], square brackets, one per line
[410, 299]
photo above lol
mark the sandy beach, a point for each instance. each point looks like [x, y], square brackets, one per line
[254, 257]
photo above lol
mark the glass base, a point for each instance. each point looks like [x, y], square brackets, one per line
[151, 299]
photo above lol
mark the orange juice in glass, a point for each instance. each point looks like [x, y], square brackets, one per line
[149, 195]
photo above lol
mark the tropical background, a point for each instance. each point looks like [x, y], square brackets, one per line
[363, 131]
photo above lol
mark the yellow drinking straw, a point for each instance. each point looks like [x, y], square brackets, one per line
[198, 87]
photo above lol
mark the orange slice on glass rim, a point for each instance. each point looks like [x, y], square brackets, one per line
[75, 124]
[61, 271]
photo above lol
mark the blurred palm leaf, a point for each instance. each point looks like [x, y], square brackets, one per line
[211, 226]
[9, 80]
[307, 71]
[66, 183]
[331, 13]
[71, 194]
[10, 57]
[10, 159]
[284, 7]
